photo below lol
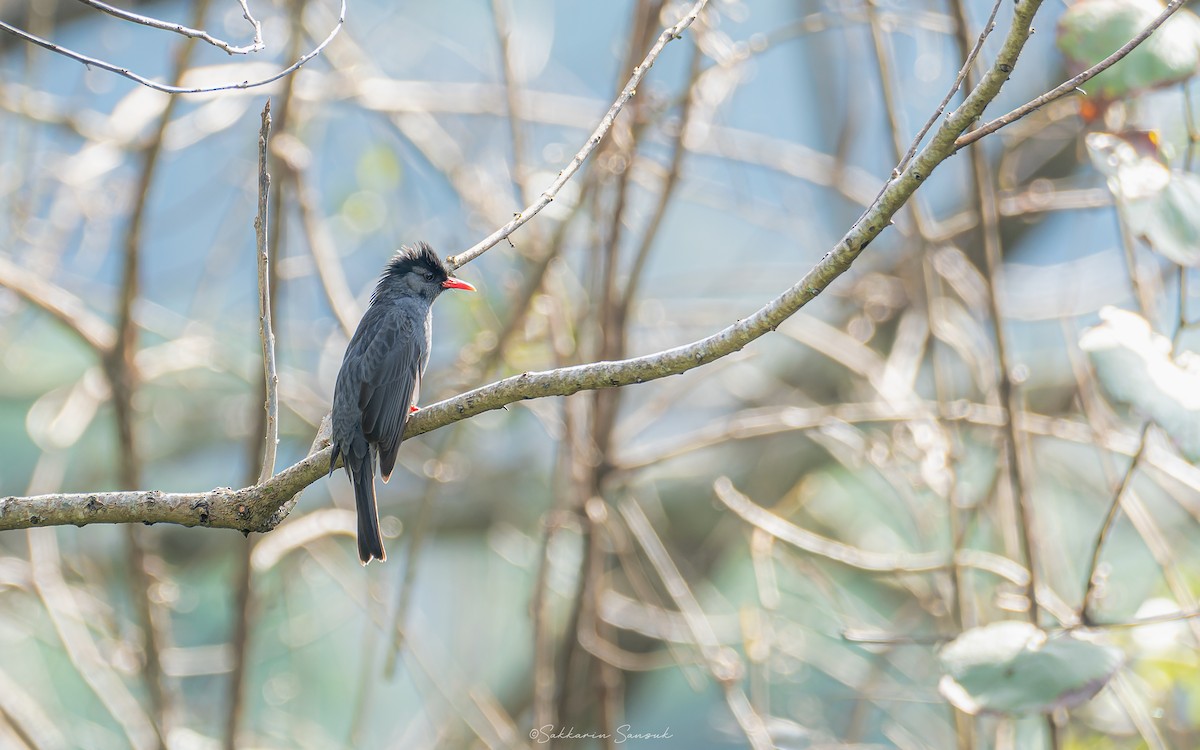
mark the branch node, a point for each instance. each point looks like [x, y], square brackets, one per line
[203, 507]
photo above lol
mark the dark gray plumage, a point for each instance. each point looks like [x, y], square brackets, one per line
[380, 378]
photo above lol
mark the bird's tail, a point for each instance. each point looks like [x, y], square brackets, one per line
[370, 540]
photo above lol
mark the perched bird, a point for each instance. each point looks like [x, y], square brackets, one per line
[380, 379]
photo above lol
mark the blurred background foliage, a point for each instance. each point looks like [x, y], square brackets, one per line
[602, 564]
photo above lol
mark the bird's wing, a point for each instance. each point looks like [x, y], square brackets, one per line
[391, 378]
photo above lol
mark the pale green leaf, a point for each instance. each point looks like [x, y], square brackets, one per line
[1016, 668]
[1135, 367]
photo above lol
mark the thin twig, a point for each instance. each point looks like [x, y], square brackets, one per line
[168, 89]
[961, 602]
[533, 277]
[416, 533]
[607, 328]
[1143, 289]
[123, 375]
[639, 72]
[267, 336]
[295, 158]
[678, 149]
[178, 28]
[1006, 393]
[1189, 120]
[239, 642]
[419, 125]
[887, 89]
[512, 103]
[723, 663]
[420, 525]
[1069, 86]
[68, 309]
[1114, 509]
[883, 562]
[560, 514]
[27, 716]
[244, 583]
[79, 645]
[891, 109]
[1132, 699]
[266, 436]
[1155, 539]
[958, 80]
[488, 721]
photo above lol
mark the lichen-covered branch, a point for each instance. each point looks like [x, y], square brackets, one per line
[249, 509]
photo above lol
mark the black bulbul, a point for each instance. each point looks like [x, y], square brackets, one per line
[380, 379]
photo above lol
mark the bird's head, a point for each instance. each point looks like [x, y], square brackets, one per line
[418, 272]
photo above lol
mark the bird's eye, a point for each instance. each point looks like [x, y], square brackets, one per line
[429, 275]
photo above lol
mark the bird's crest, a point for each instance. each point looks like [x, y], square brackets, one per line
[420, 257]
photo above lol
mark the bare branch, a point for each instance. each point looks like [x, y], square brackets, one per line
[503, 26]
[761, 518]
[958, 80]
[58, 302]
[178, 28]
[723, 662]
[81, 647]
[271, 436]
[25, 716]
[257, 508]
[1072, 85]
[295, 159]
[249, 509]
[668, 35]
[168, 89]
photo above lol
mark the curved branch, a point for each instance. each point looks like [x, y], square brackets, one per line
[167, 89]
[261, 507]
[257, 45]
[822, 546]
